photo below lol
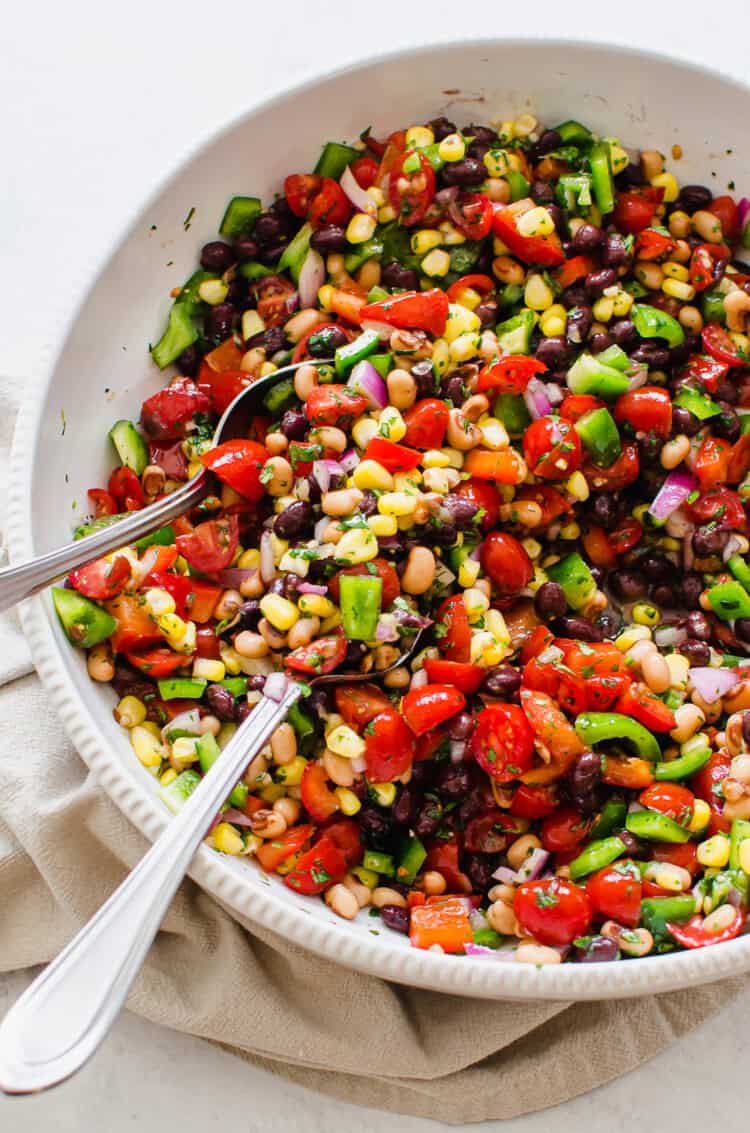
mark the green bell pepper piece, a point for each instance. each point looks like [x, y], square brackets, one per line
[84, 622]
[464, 256]
[361, 596]
[335, 158]
[131, 449]
[280, 396]
[252, 270]
[610, 817]
[514, 335]
[84, 529]
[510, 408]
[176, 794]
[432, 153]
[573, 133]
[653, 826]
[589, 375]
[367, 251]
[383, 363]
[729, 600]
[657, 911]
[519, 186]
[601, 177]
[599, 436]
[411, 861]
[697, 403]
[164, 537]
[740, 569]
[240, 215]
[487, 937]
[712, 307]
[595, 727]
[745, 236]
[208, 752]
[377, 294]
[684, 765]
[574, 191]
[615, 356]
[346, 357]
[716, 886]
[293, 256]
[596, 856]
[650, 322]
[382, 864]
[236, 685]
[181, 332]
[744, 423]
[189, 296]
[739, 833]
[510, 296]
[577, 581]
[458, 553]
[181, 688]
[303, 725]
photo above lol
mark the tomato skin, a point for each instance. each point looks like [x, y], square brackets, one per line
[552, 502]
[330, 205]
[319, 867]
[472, 214]
[619, 475]
[489, 833]
[576, 405]
[703, 264]
[273, 852]
[179, 586]
[604, 692]
[739, 459]
[344, 833]
[317, 798]
[426, 423]
[539, 639]
[135, 629]
[625, 536]
[358, 704]
[444, 857]
[726, 210]
[551, 727]
[211, 546]
[456, 641]
[464, 676]
[484, 496]
[101, 578]
[634, 210]
[334, 405]
[652, 245]
[627, 771]
[169, 411]
[157, 662]
[509, 374]
[484, 284]
[411, 202]
[565, 688]
[411, 310]
[125, 487]
[718, 503]
[577, 267]
[386, 573]
[504, 466]
[534, 802]
[207, 643]
[554, 912]
[506, 562]
[543, 250]
[502, 742]
[707, 371]
[389, 746]
[671, 799]
[221, 388]
[321, 656]
[711, 464]
[616, 894]
[365, 171]
[644, 706]
[104, 502]
[564, 830]
[239, 464]
[648, 409]
[685, 855]
[394, 457]
[597, 546]
[552, 448]
[719, 345]
[426, 707]
[706, 783]
[693, 935]
[299, 190]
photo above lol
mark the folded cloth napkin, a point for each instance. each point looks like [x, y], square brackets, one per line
[64, 847]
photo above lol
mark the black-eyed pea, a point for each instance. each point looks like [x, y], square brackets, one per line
[500, 892]
[267, 823]
[228, 605]
[433, 883]
[655, 672]
[708, 226]
[209, 725]
[740, 768]
[402, 389]
[278, 476]
[252, 585]
[519, 850]
[674, 452]
[738, 698]
[289, 809]
[384, 656]
[489, 346]
[284, 744]
[153, 481]
[688, 720]
[502, 919]
[341, 901]
[475, 406]
[303, 323]
[631, 941]
[397, 678]
[382, 895]
[303, 632]
[276, 443]
[99, 662]
[273, 639]
[652, 163]
[305, 381]
[461, 433]
[419, 573]
[733, 739]
[537, 954]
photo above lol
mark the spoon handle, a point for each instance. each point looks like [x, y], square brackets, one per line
[59, 1021]
[21, 581]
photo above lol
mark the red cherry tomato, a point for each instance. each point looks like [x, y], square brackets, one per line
[411, 310]
[707, 371]
[210, 546]
[615, 893]
[485, 498]
[543, 250]
[551, 727]
[125, 487]
[299, 190]
[704, 262]
[463, 675]
[534, 802]
[271, 295]
[444, 858]
[358, 704]
[334, 405]
[625, 536]
[330, 205]
[386, 573]
[389, 746]
[535, 643]
[454, 631]
[578, 267]
[179, 586]
[104, 502]
[220, 388]
[426, 423]
[671, 799]
[619, 475]
[564, 830]
[554, 911]
[739, 459]
[169, 411]
[472, 214]
[510, 374]
[272, 853]
[685, 855]
[653, 245]
[647, 410]
[506, 562]
[317, 798]
[552, 502]
[344, 833]
[694, 934]
[502, 742]
[490, 833]
[597, 546]
[411, 189]
[101, 578]
[157, 663]
[365, 170]
[578, 404]
[706, 785]
[426, 707]
[319, 867]
[483, 284]
[634, 210]
[239, 463]
[726, 210]
[559, 683]
[711, 463]
[321, 656]
[552, 448]
[394, 457]
[719, 345]
[207, 644]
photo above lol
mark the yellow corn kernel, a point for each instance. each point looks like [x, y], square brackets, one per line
[676, 271]
[679, 667]
[450, 234]
[603, 309]
[194, 468]
[464, 347]
[183, 750]
[468, 573]
[554, 314]
[226, 839]
[158, 602]
[452, 148]
[524, 125]
[621, 304]
[499, 248]
[249, 560]
[280, 612]
[348, 802]
[668, 544]
[455, 458]
[325, 296]
[570, 531]
[495, 623]
[252, 324]
[460, 321]
[396, 503]
[385, 793]
[147, 747]
[167, 777]
[405, 522]
[424, 240]
[536, 222]
[171, 626]
[153, 728]
[494, 433]
[667, 182]
[360, 228]
[290, 774]
[740, 340]
[618, 157]
[485, 650]
[358, 546]
[130, 711]
[577, 487]
[268, 368]
[476, 603]
[206, 669]
[213, 291]
[701, 817]
[644, 614]
[386, 214]
[437, 480]
[441, 357]
[363, 431]
[279, 548]
[744, 853]
[331, 623]
[391, 424]
[436, 263]
[369, 475]
[714, 852]
[469, 298]
[316, 604]
[538, 294]
[417, 137]
[676, 289]
[627, 639]
[382, 526]
[434, 458]
[231, 658]
[378, 196]
[496, 162]
[344, 741]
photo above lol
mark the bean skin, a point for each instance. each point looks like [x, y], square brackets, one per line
[576, 627]
[550, 601]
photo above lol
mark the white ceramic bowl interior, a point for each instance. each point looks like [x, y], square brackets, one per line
[102, 372]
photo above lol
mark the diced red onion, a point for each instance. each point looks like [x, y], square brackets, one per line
[419, 679]
[476, 554]
[481, 950]
[670, 637]
[323, 470]
[477, 919]
[267, 567]
[634, 807]
[743, 212]
[292, 302]
[382, 330]
[312, 276]
[311, 588]
[386, 630]
[359, 197]
[349, 460]
[533, 866]
[505, 875]
[367, 382]
[457, 751]
[233, 577]
[537, 401]
[445, 196]
[275, 686]
[732, 547]
[186, 722]
[554, 393]
[734, 897]
[675, 490]
[638, 375]
[320, 527]
[359, 765]
[712, 684]
[236, 817]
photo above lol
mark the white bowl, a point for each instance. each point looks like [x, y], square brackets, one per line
[101, 371]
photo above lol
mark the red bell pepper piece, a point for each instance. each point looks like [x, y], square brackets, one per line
[543, 250]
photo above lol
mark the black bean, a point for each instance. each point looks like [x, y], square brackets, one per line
[586, 772]
[395, 275]
[587, 237]
[697, 652]
[486, 312]
[554, 352]
[550, 601]
[269, 229]
[270, 255]
[634, 847]
[557, 215]
[746, 728]
[655, 357]
[694, 197]
[502, 680]
[549, 140]
[542, 192]
[462, 510]
[293, 424]
[606, 510]
[649, 450]
[609, 622]
[599, 342]
[726, 424]
[678, 355]
[461, 726]
[624, 334]
[220, 320]
[330, 238]
[709, 540]
[452, 389]
[295, 522]
[395, 917]
[631, 175]
[189, 361]
[441, 127]
[405, 806]
[217, 256]
[429, 818]
[578, 324]
[614, 251]
[691, 587]
[698, 625]
[376, 827]
[324, 343]
[656, 567]
[627, 584]
[241, 711]
[368, 504]
[599, 950]
[424, 376]
[237, 293]
[597, 282]
[320, 702]
[577, 627]
[245, 248]
[220, 701]
[727, 391]
[355, 652]
[249, 615]
[483, 134]
[598, 574]
[683, 421]
[574, 296]
[742, 629]
[480, 868]
[467, 172]
[453, 780]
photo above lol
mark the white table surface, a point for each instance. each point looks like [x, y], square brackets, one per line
[95, 101]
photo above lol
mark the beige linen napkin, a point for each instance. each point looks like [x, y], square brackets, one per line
[64, 847]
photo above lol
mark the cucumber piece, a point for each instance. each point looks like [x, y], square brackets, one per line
[573, 133]
[519, 186]
[181, 688]
[293, 256]
[181, 332]
[511, 409]
[84, 622]
[280, 397]
[335, 158]
[366, 251]
[129, 445]
[176, 794]
[236, 685]
[239, 216]
[514, 335]
[208, 752]
[189, 296]
[577, 581]
[459, 553]
[85, 529]
[164, 537]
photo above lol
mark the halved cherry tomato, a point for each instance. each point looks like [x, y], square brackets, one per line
[490, 833]
[386, 573]
[592, 659]
[652, 245]
[685, 855]
[552, 502]
[319, 867]
[358, 704]
[597, 546]
[509, 374]
[534, 802]
[719, 505]
[126, 489]
[461, 674]
[625, 536]
[205, 597]
[559, 683]
[719, 345]
[604, 692]
[703, 264]
[104, 502]
[155, 561]
[344, 833]
[299, 190]
[543, 250]
[221, 388]
[552, 448]
[504, 466]
[550, 726]
[502, 742]
[634, 209]
[539, 639]
[578, 404]
[426, 423]
[272, 294]
[330, 205]
[647, 410]
[564, 830]
[135, 628]
[619, 475]
[739, 459]
[365, 170]
[210, 546]
[167, 413]
[726, 210]
[707, 371]
[694, 935]
[389, 153]
[428, 744]
[411, 310]
[644, 706]
[321, 656]
[453, 629]
[179, 586]
[272, 853]
[484, 497]
[483, 284]
[101, 578]
[711, 463]
[706, 784]
[577, 267]
[317, 797]
[239, 464]
[334, 405]
[472, 214]
[446, 925]
[671, 799]
[444, 858]
[394, 457]
[615, 893]
[157, 662]
[389, 745]
[426, 707]
[507, 563]
[411, 189]
[554, 912]
[627, 771]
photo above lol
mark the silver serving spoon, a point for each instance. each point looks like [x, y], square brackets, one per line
[21, 581]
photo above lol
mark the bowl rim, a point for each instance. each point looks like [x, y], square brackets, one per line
[473, 977]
